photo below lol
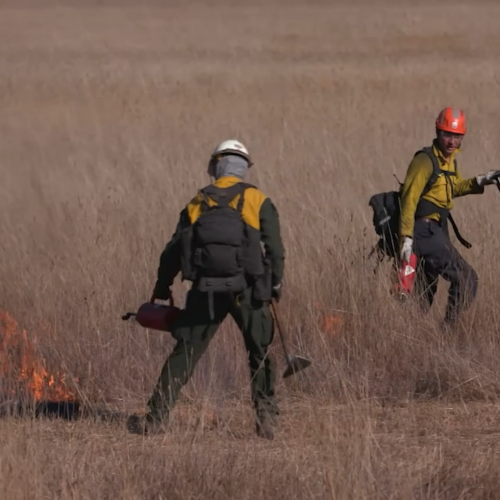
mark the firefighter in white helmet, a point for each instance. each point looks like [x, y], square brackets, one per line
[231, 147]
[220, 252]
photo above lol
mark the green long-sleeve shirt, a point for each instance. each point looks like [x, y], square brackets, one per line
[258, 211]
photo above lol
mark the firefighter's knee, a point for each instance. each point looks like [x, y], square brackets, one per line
[469, 282]
[473, 282]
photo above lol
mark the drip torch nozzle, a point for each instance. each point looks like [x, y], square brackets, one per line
[128, 316]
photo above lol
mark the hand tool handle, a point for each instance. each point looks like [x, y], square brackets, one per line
[274, 307]
[170, 299]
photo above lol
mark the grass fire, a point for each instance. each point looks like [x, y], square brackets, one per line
[25, 381]
[109, 112]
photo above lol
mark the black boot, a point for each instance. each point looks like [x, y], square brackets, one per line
[265, 429]
[146, 425]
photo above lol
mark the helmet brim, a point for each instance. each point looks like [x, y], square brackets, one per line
[451, 130]
[233, 152]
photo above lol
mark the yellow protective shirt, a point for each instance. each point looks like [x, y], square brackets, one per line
[252, 203]
[441, 193]
[258, 211]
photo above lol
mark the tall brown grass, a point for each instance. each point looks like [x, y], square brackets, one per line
[107, 118]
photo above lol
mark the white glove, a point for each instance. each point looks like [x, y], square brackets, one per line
[407, 249]
[489, 178]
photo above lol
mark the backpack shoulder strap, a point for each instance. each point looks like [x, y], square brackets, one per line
[243, 186]
[436, 170]
[435, 167]
[204, 205]
[224, 196]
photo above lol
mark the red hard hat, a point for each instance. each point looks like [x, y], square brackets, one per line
[452, 120]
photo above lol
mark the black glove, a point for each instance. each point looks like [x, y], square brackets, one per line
[162, 293]
[276, 293]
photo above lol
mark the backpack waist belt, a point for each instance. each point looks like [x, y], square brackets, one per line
[425, 208]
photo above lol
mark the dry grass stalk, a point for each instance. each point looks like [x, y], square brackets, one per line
[108, 115]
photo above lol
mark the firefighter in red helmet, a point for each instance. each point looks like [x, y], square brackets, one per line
[432, 182]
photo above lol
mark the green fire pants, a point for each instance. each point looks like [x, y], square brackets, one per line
[193, 332]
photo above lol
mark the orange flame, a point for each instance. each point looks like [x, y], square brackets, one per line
[331, 323]
[20, 366]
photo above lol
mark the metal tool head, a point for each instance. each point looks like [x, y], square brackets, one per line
[295, 364]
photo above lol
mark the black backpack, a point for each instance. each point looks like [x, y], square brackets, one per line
[220, 252]
[387, 208]
[386, 211]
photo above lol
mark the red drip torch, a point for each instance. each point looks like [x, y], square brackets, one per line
[406, 276]
[156, 316]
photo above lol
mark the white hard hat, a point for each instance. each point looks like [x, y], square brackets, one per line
[232, 146]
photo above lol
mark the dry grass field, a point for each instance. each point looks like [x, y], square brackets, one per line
[108, 114]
